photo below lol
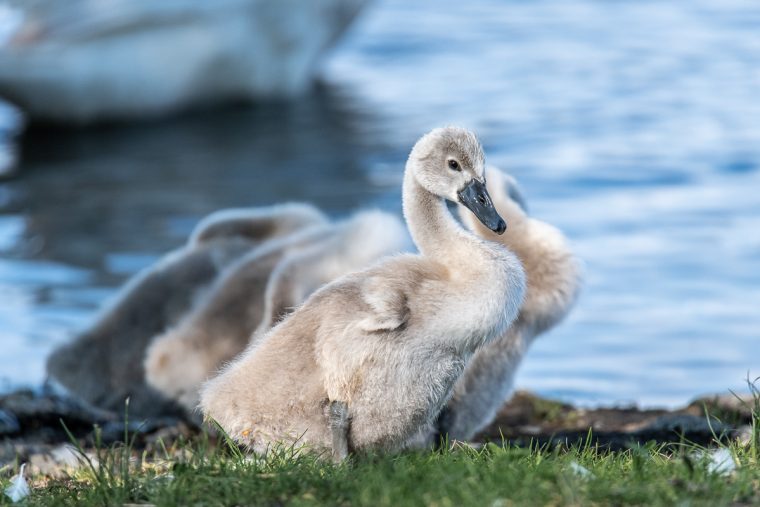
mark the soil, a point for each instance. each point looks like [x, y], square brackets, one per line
[527, 417]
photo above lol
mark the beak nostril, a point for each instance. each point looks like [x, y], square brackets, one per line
[482, 200]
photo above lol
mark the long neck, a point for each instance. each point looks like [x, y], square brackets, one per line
[435, 232]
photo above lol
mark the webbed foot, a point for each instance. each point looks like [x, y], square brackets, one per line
[339, 422]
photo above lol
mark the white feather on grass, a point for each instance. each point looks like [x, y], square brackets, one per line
[721, 461]
[19, 488]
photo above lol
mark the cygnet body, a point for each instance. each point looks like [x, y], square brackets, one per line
[373, 356]
[103, 365]
[553, 282]
[257, 291]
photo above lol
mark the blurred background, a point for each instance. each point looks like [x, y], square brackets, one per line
[632, 125]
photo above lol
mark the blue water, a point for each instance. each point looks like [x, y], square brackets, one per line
[632, 125]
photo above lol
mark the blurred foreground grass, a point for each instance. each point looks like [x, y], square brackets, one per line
[201, 471]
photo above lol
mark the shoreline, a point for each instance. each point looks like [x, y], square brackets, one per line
[31, 430]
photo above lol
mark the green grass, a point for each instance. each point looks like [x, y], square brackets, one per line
[494, 475]
[200, 472]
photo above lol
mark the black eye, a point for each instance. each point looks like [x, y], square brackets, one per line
[454, 165]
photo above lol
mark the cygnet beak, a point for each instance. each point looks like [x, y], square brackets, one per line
[475, 196]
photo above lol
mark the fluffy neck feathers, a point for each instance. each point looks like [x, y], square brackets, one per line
[434, 230]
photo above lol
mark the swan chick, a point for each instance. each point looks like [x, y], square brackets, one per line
[104, 364]
[256, 223]
[372, 357]
[257, 291]
[553, 283]
[364, 239]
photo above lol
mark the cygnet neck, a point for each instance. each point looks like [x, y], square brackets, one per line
[434, 230]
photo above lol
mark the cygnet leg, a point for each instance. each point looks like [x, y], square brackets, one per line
[339, 424]
[442, 425]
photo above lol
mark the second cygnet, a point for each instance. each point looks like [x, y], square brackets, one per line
[553, 282]
[257, 291]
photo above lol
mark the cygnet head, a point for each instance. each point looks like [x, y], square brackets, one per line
[176, 367]
[449, 162]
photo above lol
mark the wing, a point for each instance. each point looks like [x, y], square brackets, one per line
[255, 224]
[290, 283]
[387, 305]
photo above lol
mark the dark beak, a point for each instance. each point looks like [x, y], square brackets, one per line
[476, 198]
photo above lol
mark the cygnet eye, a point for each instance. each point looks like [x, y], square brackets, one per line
[454, 165]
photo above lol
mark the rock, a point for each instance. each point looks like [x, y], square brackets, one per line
[31, 430]
[8, 423]
[55, 461]
[528, 418]
[732, 408]
[39, 415]
[675, 426]
[113, 431]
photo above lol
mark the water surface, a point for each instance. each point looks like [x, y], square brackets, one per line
[632, 125]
